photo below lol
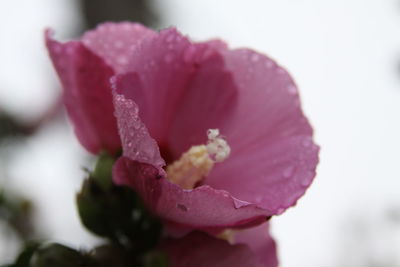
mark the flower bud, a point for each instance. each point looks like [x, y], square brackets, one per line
[51, 255]
[103, 170]
[116, 212]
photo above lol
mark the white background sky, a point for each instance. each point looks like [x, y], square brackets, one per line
[345, 57]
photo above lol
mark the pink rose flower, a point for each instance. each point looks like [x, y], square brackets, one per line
[212, 138]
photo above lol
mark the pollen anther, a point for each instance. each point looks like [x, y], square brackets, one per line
[217, 147]
[195, 164]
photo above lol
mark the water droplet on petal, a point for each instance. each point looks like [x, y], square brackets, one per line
[280, 210]
[280, 71]
[122, 60]
[292, 89]
[181, 207]
[269, 64]
[255, 57]
[126, 27]
[288, 172]
[136, 126]
[87, 42]
[305, 182]
[258, 199]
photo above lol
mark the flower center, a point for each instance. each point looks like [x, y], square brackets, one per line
[195, 164]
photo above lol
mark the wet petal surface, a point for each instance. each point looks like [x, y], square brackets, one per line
[87, 94]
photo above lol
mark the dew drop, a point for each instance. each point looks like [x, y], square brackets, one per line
[258, 199]
[269, 64]
[305, 182]
[137, 27]
[288, 172]
[254, 57]
[122, 60]
[292, 89]
[126, 27]
[136, 125]
[136, 214]
[281, 71]
[88, 42]
[181, 207]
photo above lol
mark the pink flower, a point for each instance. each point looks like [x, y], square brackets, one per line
[168, 93]
[85, 68]
[252, 247]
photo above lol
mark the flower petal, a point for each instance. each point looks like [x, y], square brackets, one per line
[259, 240]
[201, 250]
[87, 94]
[115, 42]
[136, 142]
[273, 157]
[164, 65]
[208, 103]
[279, 174]
[183, 210]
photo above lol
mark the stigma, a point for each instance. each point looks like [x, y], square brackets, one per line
[196, 163]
